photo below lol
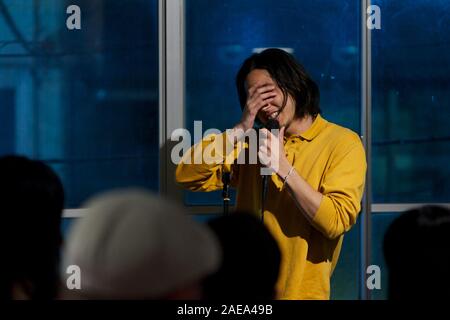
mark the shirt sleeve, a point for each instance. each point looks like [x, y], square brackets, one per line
[202, 166]
[342, 190]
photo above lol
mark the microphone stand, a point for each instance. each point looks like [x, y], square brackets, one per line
[263, 196]
[226, 192]
[271, 124]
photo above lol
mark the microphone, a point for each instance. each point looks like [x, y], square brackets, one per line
[272, 124]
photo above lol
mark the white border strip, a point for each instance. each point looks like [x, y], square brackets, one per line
[366, 131]
[401, 207]
[376, 208]
[79, 213]
[172, 87]
[74, 213]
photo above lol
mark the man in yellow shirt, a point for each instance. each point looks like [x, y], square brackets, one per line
[314, 195]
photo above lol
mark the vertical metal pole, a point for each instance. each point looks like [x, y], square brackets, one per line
[36, 83]
[366, 128]
[162, 96]
[171, 88]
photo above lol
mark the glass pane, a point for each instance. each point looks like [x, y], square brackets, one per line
[324, 35]
[204, 218]
[411, 135]
[380, 224]
[85, 101]
[345, 280]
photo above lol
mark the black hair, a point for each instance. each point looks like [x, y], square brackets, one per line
[416, 249]
[31, 205]
[288, 74]
[251, 260]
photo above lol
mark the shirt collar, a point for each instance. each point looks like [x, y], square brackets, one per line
[317, 126]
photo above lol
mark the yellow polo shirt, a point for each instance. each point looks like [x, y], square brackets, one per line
[332, 160]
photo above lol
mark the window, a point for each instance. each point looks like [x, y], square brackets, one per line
[84, 101]
[324, 35]
[411, 132]
[410, 115]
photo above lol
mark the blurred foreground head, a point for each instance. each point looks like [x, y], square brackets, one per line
[31, 204]
[134, 245]
[251, 260]
[417, 253]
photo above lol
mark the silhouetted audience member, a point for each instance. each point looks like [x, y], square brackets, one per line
[133, 245]
[417, 253]
[31, 204]
[251, 260]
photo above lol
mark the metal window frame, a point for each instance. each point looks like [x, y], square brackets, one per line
[175, 47]
[171, 89]
[366, 129]
[377, 208]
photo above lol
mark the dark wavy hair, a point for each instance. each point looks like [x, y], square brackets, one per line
[289, 75]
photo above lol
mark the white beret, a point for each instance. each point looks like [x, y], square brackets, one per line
[132, 244]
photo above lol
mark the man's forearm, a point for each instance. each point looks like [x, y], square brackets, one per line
[306, 198]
